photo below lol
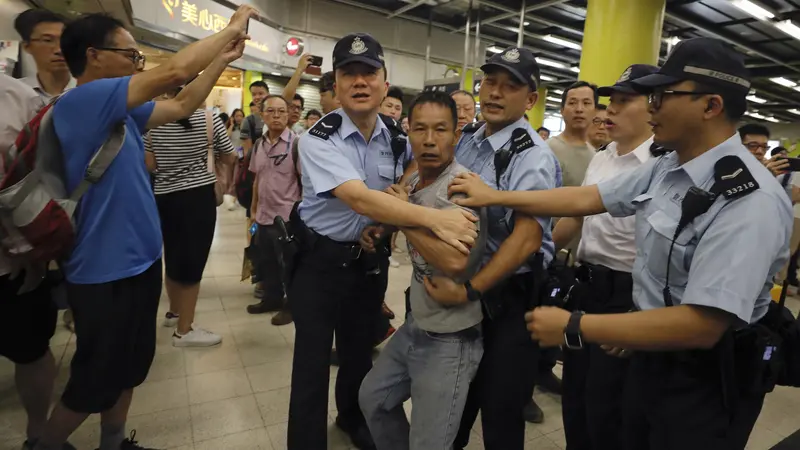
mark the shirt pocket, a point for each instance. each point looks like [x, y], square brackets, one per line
[387, 173]
[658, 242]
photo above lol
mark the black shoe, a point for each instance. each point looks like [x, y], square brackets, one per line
[334, 358]
[265, 306]
[549, 382]
[359, 435]
[28, 445]
[131, 444]
[532, 413]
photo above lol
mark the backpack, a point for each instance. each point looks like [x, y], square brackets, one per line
[36, 211]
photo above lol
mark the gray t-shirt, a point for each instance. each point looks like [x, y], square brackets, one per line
[428, 314]
[247, 133]
[573, 159]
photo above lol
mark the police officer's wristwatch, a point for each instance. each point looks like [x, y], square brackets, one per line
[473, 294]
[572, 332]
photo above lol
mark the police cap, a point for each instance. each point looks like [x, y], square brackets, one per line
[704, 60]
[358, 47]
[520, 62]
[625, 82]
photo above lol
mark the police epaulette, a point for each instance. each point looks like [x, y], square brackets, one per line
[603, 147]
[657, 150]
[521, 140]
[394, 126]
[326, 126]
[471, 127]
[732, 178]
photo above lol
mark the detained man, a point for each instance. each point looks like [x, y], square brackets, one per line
[434, 356]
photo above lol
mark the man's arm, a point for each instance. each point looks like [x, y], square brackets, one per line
[566, 230]
[188, 62]
[525, 240]
[254, 201]
[434, 251]
[294, 82]
[196, 92]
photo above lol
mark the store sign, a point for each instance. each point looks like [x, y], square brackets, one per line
[201, 18]
[446, 85]
[294, 47]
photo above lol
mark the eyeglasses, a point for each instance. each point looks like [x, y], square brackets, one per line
[754, 146]
[598, 121]
[136, 57]
[274, 112]
[656, 98]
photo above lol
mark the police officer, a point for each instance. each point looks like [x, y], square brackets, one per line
[592, 380]
[508, 154]
[712, 227]
[346, 162]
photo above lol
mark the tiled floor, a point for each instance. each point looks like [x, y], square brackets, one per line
[236, 396]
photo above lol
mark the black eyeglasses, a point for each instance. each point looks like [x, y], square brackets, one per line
[598, 121]
[656, 98]
[136, 57]
[755, 146]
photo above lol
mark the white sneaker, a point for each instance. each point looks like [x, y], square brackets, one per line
[397, 250]
[197, 337]
[170, 320]
[393, 263]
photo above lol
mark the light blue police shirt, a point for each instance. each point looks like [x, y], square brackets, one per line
[530, 170]
[725, 258]
[327, 164]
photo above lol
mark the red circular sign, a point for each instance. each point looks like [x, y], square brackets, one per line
[293, 47]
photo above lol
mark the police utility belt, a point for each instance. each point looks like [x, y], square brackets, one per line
[755, 358]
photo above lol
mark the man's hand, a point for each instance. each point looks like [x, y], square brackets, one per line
[398, 191]
[240, 18]
[546, 324]
[232, 51]
[777, 166]
[303, 63]
[370, 235]
[478, 193]
[456, 227]
[616, 352]
[446, 291]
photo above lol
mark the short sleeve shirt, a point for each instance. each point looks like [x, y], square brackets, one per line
[118, 227]
[726, 257]
[278, 189]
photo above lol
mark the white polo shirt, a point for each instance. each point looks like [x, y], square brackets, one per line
[20, 105]
[33, 82]
[605, 240]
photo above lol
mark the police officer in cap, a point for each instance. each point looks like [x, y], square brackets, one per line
[712, 229]
[347, 162]
[507, 153]
[592, 380]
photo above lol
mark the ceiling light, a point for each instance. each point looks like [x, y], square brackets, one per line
[547, 78]
[494, 49]
[562, 42]
[755, 99]
[558, 92]
[797, 88]
[789, 28]
[795, 111]
[315, 79]
[756, 115]
[513, 29]
[754, 10]
[275, 74]
[551, 63]
[783, 82]
[674, 40]
[526, 23]
[772, 119]
[575, 69]
[553, 99]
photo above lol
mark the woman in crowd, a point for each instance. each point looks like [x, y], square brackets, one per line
[234, 127]
[180, 155]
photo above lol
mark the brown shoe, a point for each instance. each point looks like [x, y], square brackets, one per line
[284, 317]
[265, 306]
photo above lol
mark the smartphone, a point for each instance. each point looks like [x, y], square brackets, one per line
[253, 229]
[247, 27]
[316, 61]
[794, 163]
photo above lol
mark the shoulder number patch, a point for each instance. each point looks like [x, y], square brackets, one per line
[732, 179]
[521, 140]
[326, 126]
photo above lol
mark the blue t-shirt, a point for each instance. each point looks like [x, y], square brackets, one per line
[118, 228]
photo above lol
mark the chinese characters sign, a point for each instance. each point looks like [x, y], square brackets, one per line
[189, 13]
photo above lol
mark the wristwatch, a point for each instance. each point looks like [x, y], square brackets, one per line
[473, 294]
[572, 332]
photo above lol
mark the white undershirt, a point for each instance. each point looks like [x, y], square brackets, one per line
[606, 240]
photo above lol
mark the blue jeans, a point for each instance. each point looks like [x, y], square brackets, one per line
[434, 370]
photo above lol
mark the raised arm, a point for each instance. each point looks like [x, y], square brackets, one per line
[294, 82]
[188, 62]
[197, 91]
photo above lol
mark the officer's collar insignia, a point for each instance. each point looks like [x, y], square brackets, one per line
[358, 47]
[657, 150]
[393, 126]
[511, 56]
[471, 127]
[732, 179]
[521, 140]
[326, 126]
[625, 76]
